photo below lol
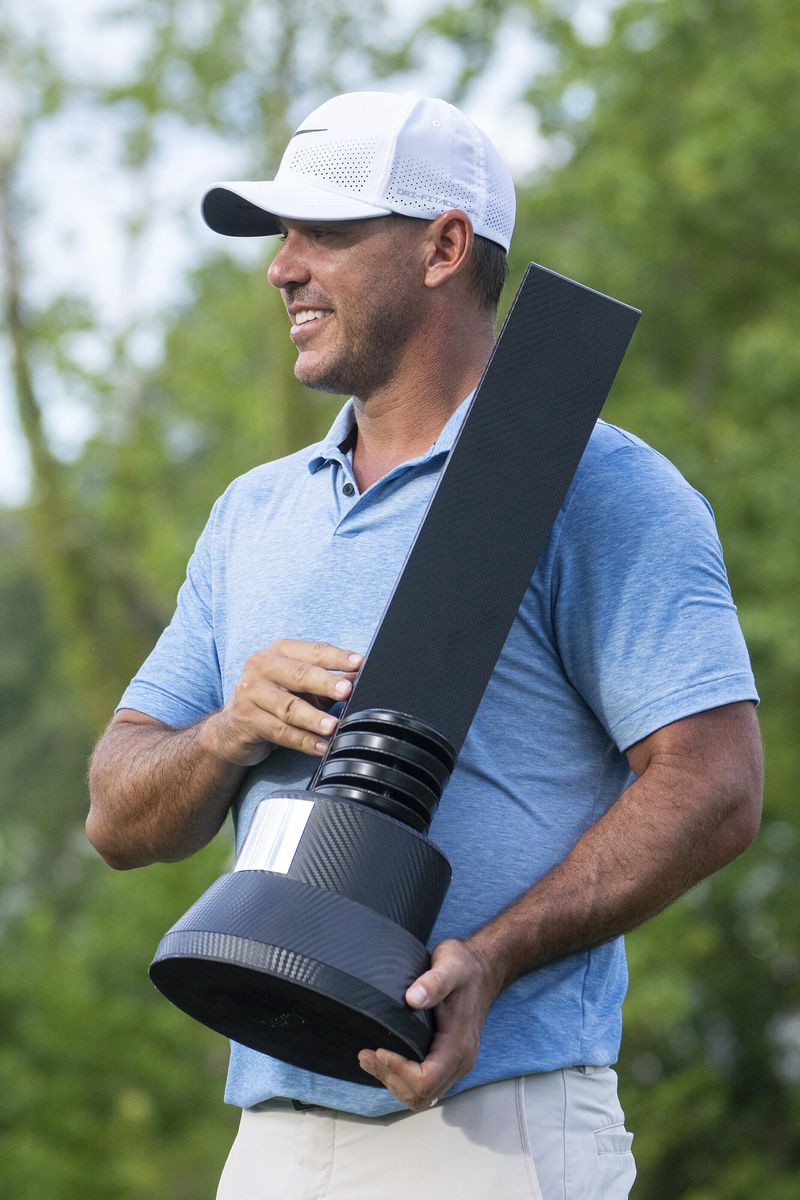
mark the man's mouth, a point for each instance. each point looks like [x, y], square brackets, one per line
[309, 317]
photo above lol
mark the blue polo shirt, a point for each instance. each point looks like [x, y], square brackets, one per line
[628, 624]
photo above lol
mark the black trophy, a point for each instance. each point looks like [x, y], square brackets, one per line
[305, 950]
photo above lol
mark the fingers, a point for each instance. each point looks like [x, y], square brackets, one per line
[455, 985]
[282, 699]
[321, 654]
[325, 703]
[276, 681]
[417, 1085]
[311, 668]
[277, 716]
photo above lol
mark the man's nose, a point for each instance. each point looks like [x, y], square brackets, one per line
[288, 266]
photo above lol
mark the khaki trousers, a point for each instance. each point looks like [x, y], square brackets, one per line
[557, 1136]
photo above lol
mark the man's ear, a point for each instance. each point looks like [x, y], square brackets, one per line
[449, 241]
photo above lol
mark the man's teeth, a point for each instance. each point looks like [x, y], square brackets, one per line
[310, 314]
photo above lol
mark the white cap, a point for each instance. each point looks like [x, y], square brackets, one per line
[368, 154]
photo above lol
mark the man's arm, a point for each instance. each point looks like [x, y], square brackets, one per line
[159, 793]
[694, 806]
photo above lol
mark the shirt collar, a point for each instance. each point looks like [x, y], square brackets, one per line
[338, 436]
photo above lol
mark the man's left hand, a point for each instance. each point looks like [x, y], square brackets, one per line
[461, 987]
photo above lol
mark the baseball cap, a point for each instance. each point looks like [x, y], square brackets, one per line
[368, 154]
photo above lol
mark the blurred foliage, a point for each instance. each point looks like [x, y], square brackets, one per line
[105, 1091]
[669, 181]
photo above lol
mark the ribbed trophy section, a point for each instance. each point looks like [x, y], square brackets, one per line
[390, 762]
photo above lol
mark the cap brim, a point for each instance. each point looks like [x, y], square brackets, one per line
[250, 209]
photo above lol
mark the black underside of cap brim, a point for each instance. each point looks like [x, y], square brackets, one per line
[225, 212]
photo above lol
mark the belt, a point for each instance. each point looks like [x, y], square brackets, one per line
[282, 1101]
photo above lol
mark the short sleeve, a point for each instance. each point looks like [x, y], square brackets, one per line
[643, 614]
[180, 680]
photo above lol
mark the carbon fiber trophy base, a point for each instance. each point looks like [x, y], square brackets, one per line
[295, 1006]
[305, 950]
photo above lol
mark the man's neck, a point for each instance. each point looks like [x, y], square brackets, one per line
[404, 419]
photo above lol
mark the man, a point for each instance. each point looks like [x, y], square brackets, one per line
[613, 762]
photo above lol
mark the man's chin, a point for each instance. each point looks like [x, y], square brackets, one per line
[321, 385]
[322, 381]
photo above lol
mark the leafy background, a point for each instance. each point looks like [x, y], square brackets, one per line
[665, 173]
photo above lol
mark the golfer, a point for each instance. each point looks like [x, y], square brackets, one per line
[613, 762]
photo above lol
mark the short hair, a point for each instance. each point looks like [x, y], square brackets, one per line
[489, 271]
[489, 264]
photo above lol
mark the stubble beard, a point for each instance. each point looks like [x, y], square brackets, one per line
[370, 351]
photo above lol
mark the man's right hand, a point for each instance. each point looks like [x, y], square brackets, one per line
[282, 699]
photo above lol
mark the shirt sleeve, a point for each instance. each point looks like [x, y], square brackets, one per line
[643, 614]
[180, 681]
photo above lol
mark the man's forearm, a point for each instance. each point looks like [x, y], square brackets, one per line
[672, 827]
[695, 805]
[160, 793]
[157, 794]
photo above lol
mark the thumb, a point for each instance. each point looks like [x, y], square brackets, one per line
[426, 991]
[436, 983]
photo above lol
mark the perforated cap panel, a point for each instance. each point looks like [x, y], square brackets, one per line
[341, 164]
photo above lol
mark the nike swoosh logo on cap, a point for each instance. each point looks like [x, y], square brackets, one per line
[308, 131]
